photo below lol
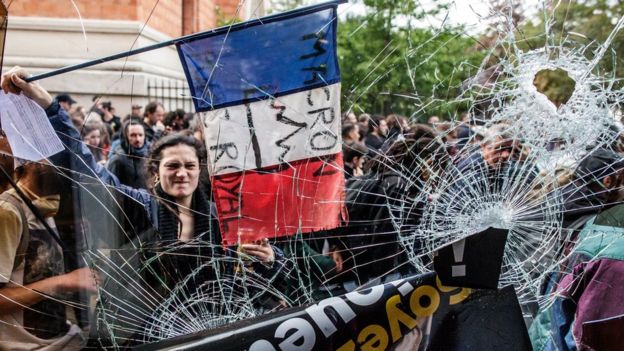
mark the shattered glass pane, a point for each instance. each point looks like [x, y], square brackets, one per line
[503, 152]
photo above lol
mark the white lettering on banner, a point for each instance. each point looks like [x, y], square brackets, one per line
[360, 299]
[261, 345]
[302, 330]
[301, 333]
[27, 128]
[317, 312]
[404, 288]
[274, 131]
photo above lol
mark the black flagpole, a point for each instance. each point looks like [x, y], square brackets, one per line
[183, 39]
[101, 60]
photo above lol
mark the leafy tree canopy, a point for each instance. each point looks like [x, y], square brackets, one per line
[394, 61]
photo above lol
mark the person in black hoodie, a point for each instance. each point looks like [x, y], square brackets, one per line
[376, 205]
[128, 161]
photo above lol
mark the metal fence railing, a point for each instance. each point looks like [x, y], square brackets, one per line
[173, 94]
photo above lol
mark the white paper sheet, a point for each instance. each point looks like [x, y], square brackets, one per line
[27, 127]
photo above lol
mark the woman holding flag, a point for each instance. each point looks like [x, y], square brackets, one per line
[188, 240]
[174, 167]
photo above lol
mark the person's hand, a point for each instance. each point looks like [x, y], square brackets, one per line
[260, 250]
[13, 82]
[160, 126]
[81, 279]
[336, 256]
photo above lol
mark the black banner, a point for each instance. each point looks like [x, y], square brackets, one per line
[416, 313]
[473, 262]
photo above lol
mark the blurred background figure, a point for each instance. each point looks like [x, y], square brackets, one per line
[136, 110]
[128, 159]
[350, 134]
[362, 123]
[433, 120]
[92, 133]
[349, 117]
[175, 121]
[354, 158]
[153, 120]
[112, 120]
[66, 102]
[377, 132]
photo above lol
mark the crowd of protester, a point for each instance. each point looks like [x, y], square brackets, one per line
[154, 161]
[122, 143]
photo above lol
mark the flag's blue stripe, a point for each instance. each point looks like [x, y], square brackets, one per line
[280, 56]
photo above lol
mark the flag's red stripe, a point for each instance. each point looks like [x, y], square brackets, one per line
[305, 196]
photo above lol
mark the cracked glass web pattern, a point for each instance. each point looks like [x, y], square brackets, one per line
[518, 162]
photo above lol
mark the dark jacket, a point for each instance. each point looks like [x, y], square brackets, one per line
[374, 143]
[128, 163]
[374, 202]
[150, 134]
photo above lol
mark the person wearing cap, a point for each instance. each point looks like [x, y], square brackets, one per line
[66, 101]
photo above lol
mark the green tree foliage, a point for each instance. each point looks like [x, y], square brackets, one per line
[391, 65]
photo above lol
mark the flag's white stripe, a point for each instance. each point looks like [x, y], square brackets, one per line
[289, 128]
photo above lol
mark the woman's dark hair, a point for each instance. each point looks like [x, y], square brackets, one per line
[406, 155]
[393, 121]
[174, 115]
[132, 120]
[347, 128]
[354, 150]
[89, 127]
[421, 130]
[374, 121]
[171, 140]
[151, 108]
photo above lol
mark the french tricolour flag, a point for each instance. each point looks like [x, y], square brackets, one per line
[271, 92]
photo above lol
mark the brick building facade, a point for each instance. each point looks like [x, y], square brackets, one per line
[171, 17]
[47, 34]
